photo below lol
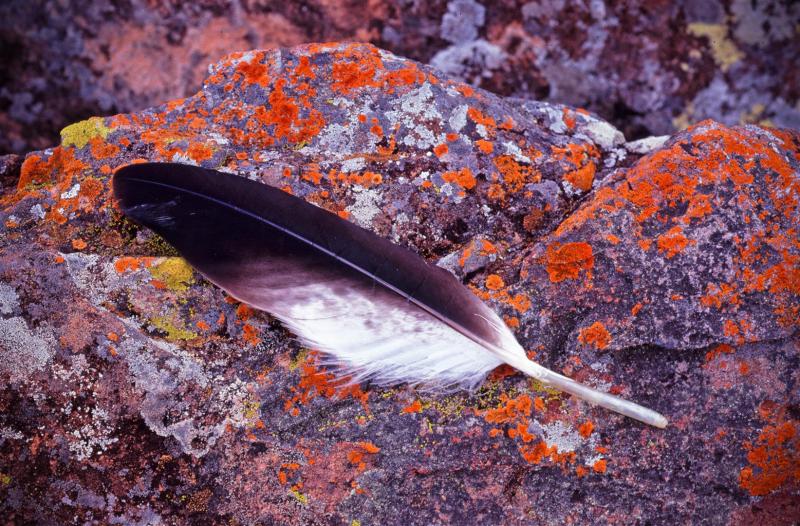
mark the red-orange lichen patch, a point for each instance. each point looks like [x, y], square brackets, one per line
[479, 118]
[673, 242]
[484, 146]
[60, 165]
[586, 428]
[125, 264]
[582, 178]
[515, 174]
[494, 282]
[355, 67]
[101, 149]
[440, 150]
[568, 260]
[596, 335]
[600, 466]
[315, 382]
[414, 407]
[720, 349]
[582, 158]
[463, 178]
[774, 456]
[254, 71]
[199, 152]
[569, 118]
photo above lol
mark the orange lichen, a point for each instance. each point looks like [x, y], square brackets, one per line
[78, 244]
[515, 174]
[496, 192]
[569, 118]
[582, 178]
[600, 466]
[463, 178]
[440, 150]
[479, 118]
[774, 456]
[60, 166]
[356, 456]
[494, 282]
[125, 264]
[250, 334]
[414, 407]
[596, 335]
[485, 146]
[586, 428]
[355, 67]
[673, 242]
[566, 261]
[199, 152]
[403, 77]
[284, 116]
[512, 410]
[520, 302]
[315, 382]
[101, 149]
[253, 71]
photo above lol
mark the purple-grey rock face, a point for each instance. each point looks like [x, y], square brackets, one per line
[664, 270]
[650, 67]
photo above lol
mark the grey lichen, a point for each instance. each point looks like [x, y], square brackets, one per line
[23, 351]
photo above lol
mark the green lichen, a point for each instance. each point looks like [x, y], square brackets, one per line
[175, 273]
[80, 133]
[174, 332]
[5, 480]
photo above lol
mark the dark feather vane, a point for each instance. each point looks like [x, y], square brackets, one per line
[374, 308]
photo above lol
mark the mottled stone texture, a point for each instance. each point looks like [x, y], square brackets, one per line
[650, 67]
[137, 393]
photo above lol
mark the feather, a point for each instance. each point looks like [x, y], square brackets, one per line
[376, 309]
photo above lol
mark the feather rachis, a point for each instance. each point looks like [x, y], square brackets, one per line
[376, 309]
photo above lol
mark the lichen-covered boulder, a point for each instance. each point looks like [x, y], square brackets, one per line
[668, 272]
[649, 67]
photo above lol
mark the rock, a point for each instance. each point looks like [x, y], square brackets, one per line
[649, 68]
[136, 392]
[9, 170]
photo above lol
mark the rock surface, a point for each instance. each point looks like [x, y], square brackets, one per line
[649, 67]
[137, 393]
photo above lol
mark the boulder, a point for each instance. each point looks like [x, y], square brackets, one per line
[667, 271]
[649, 67]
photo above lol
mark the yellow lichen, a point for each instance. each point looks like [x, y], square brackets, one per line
[175, 273]
[251, 409]
[299, 360]
[723, 49]
[80, 133]
[302, 499]
[174, 332]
